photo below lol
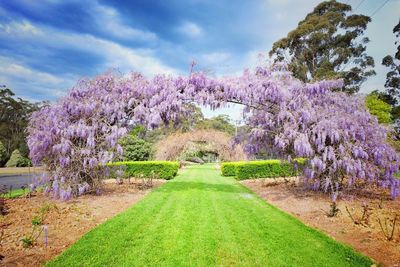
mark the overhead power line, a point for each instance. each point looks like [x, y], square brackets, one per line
[359, 4]
[379, 8]
[373, 13]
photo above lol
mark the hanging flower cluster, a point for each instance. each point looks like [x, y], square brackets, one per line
[345, 146]
[75, 137]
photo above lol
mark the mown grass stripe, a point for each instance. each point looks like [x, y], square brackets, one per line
[203, 219]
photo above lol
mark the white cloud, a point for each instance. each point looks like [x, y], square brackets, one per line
[106, 18]
[190, 29]
[26, 81]
[23, 27]
[215, 58]
[20, 71]
[36, 85]
[115, 55]
[110, 21]
[249, 60]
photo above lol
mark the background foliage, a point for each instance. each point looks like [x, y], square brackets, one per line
[17, 160]
[328, 43]
[14, 117]
[3, 154]
[392, 83]
[220, 123]
[379, 108]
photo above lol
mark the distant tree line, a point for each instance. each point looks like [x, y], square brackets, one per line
[14, 117]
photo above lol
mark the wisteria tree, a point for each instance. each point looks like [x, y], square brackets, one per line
[345, 146]
[75, 137]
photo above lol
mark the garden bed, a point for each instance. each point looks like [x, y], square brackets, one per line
[311, 208]
[66, 221]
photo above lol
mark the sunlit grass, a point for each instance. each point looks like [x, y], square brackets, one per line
[14, 193]
[203, 219]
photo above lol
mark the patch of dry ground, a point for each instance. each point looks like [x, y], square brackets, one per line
[66, 221]
[311, 208]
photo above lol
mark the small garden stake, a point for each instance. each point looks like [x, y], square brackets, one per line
[46, 235]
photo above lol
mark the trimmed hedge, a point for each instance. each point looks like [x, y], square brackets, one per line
[260, 169]
[163, 169]
[229, 168]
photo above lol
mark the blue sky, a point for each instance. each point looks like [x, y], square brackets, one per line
[47, 45]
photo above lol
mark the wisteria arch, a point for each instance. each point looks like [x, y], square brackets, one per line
[221, 143]
[345, 146]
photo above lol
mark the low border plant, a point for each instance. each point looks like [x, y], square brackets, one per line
[262, 169]
[162, 169]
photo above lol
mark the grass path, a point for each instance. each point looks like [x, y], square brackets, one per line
[203, 219]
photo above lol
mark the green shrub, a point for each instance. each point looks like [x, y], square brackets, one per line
[260, 169]
[229, 168]
[264, 169]
[162, 169]
[17, 160]
[135, 149]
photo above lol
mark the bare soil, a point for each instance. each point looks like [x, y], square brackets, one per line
[311, 208]
[66, 221]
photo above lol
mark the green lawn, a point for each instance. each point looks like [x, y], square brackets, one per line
[16, 193]
[203, 219]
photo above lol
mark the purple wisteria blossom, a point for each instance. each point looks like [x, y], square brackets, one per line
[343, 144]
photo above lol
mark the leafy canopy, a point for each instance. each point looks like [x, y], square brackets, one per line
[392, 84]
[14, 117]
[328, 44]
[393, 76]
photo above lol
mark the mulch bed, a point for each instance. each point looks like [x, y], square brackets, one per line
[66, 221]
